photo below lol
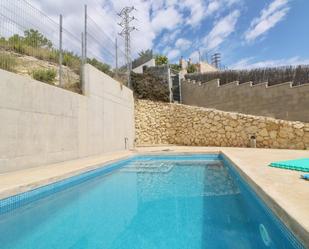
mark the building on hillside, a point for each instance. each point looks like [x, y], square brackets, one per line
[147, 59]
[205, 67]
[201, 67]
[183, 64]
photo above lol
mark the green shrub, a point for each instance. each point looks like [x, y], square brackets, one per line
[191, 68]
[161, 60]
[72, 61]
[8, 62]
[44, 75]
[176, 67]
[148, 86]
[35, 44]
[103, 67]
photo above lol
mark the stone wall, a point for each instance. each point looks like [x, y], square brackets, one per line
[282, 101]
[43, 124]
[166, 123]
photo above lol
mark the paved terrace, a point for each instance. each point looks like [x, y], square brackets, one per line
[284, 192]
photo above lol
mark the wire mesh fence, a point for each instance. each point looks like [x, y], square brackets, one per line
[26, 42]
[38, 46]
[104, 52]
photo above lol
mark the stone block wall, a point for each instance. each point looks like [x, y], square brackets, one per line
[167, 123]
[282, 101]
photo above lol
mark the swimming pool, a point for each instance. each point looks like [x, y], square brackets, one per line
[145, 202]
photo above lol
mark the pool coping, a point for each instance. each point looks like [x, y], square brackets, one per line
[298, 226]
[295, 227]
[85, 165]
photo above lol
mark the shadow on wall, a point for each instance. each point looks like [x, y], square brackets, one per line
[43, 124]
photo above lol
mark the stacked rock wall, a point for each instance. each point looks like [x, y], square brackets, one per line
[166, 123]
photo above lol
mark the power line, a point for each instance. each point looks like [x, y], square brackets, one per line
[126, 17]
[216, 60]
[98, 42]
[101, 30]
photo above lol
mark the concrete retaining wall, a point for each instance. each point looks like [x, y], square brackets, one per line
[279, 101]
[43, 124]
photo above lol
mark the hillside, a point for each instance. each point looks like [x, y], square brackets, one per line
[26, 65]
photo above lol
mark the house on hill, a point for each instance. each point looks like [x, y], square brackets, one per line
[201, 67]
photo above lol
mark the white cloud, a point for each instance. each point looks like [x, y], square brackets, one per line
[217, 6]
[242, 64]
[269, 17]
[172, 18]
[157, 5]
[212, 7]
[197, 9]
[104, 13]
[166, 19]
[194, 56]
[248, 63]
[173, 54]
[169, 37]
[183, 44]
[221, 30]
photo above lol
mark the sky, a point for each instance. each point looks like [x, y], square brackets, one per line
[247, 33]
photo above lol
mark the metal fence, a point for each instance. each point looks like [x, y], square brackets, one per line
[35, 45]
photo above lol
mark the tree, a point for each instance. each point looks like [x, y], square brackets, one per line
[176, 67]
[34, 38]
[161, 60]
[16, 42]
[105, 68]
[145, 53]
[191, 68]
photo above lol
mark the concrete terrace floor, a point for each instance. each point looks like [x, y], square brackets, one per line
[283, 190]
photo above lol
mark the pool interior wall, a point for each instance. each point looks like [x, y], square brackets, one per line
[264, 222]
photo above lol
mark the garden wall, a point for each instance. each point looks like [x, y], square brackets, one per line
[166, 123]
[43, 124]
[282, 101]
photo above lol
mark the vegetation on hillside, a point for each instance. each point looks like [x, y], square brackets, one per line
[175, 67]
[191, 68]
[145, 53]
[8, 62]
[147, 86]
[35, 44]
[45, 75]
[105, 68]
[161, 60]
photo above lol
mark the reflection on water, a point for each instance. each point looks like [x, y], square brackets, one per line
[148, 204]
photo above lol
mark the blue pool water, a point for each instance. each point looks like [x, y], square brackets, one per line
[164, 202]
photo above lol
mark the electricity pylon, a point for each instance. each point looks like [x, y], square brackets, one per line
[125, 14]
